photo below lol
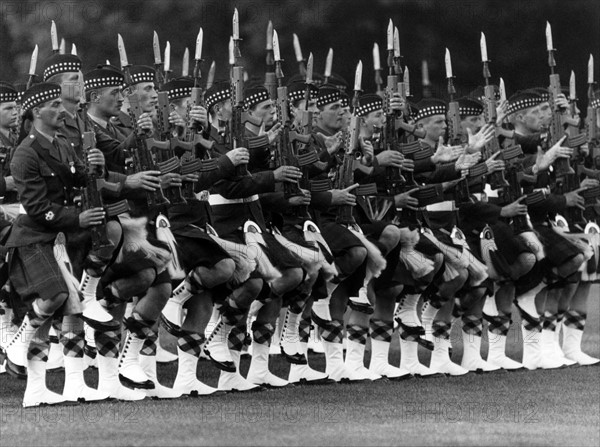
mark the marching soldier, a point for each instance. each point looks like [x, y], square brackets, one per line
[46, 169]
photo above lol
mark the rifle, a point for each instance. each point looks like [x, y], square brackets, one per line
[377, 69]
[394, 179]
[556, 130]
[91, 193]
[455, 136]
[299, 58]
[166, 159]
[158, 63]
[143, 158]
[194, 141]
[304, 149]
[270, 76]
[495, 179]
[512, 191]
[591, 120]
[284, 154]
[239, 115]
[345, 174]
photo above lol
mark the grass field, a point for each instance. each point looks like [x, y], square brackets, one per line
[555, 407]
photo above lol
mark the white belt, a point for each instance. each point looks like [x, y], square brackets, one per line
[218, 199]
[447, 205]
[22, 210]
[490, 192]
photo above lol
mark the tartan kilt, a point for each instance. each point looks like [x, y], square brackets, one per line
[558, 250]
[195, 248]
[373, 230]
[133, 262]
[280, 257]
[339, 238]
[34, 272]
[509, 245]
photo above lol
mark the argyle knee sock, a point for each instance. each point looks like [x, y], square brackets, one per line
[72, 336]
[149, 346]
[190, 342]
[333, 333]
[262, 333]
[381, 330]
[107, 342]
[357, 333]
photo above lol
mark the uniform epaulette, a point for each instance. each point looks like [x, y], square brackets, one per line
[27, 141]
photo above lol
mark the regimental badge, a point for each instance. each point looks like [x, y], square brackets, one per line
[49, 215]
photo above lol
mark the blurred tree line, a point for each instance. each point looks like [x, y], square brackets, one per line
[514, 31]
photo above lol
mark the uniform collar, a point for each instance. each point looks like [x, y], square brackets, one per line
[46, 142]
[102, 123]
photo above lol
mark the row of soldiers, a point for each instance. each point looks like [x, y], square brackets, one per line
[360, 217]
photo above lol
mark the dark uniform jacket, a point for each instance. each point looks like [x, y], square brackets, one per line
[230, 217]
[8, 146]
[46, 189]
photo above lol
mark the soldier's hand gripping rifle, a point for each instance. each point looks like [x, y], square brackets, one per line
[495, 179]
[95, 184]
[395, 182]
[512, 191]
[345, 174]
[284, 153]
[239, 115]
[143, 158]
[166, 160]
[455, 135]
[556, 130]
[195, 148]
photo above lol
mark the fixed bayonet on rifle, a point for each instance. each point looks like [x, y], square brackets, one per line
[377, 69]
[32, 67]
[556, 131]
[239, 115]
[299, 56]
[167, 64]
[394, 179]
[185, 63]
[158, 64]
[495, 179]
[95, 184]
[455, 136]
[54, 38]
[345, 173]
[328, 65]
[284, 153]
[591, 121]
[166, 159]
[270, 78]
[425, 83]
[210, 79]
[143, 158]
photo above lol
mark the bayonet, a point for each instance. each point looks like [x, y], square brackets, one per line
[32, 67]
[185, 63]
[54, 38]
[328, 65]
[299, 56]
